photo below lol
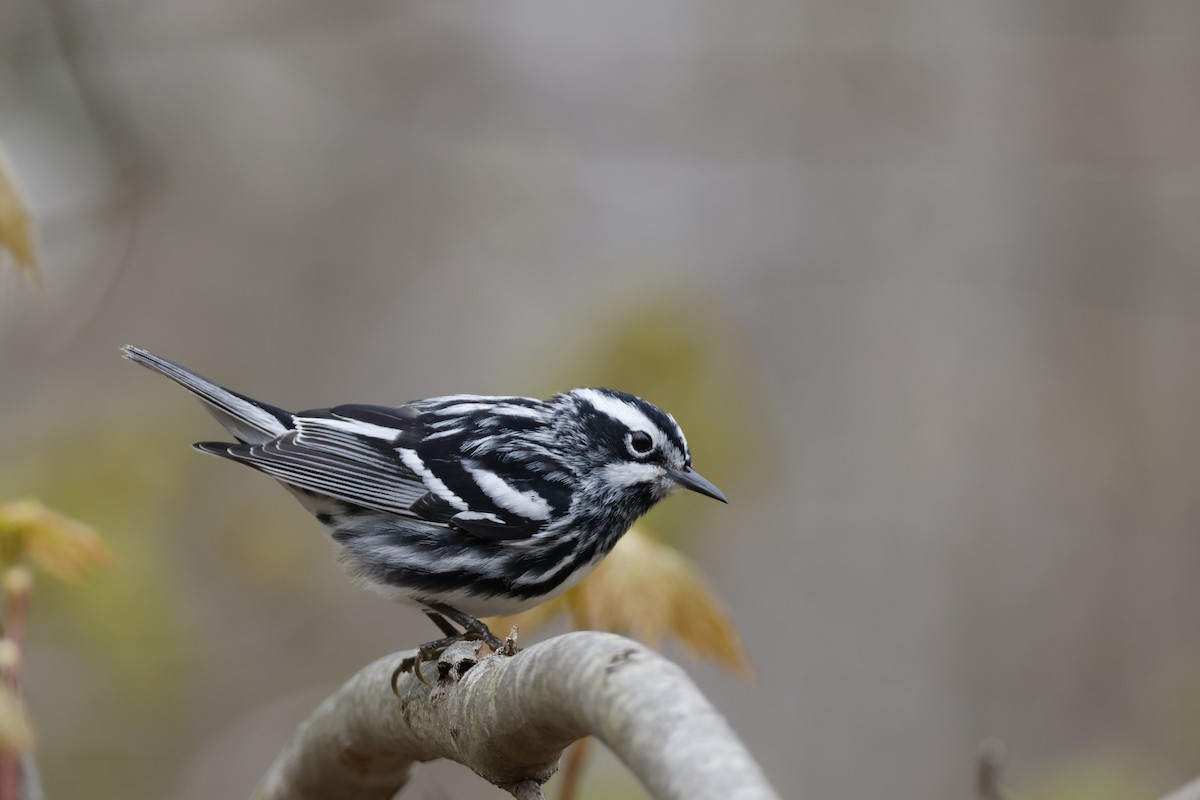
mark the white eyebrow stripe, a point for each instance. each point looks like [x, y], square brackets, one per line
[621, 411]
[414, 462]
[529, 505]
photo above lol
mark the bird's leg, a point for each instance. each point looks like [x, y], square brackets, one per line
[469, 625]
[473, 631]
[440, 621]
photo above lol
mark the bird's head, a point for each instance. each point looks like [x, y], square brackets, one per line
[635, 447]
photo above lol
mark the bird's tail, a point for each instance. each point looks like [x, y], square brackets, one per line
[249, 420]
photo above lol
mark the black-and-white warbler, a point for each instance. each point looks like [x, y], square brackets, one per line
[464, 506]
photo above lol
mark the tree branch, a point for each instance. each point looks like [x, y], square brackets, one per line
[509, 718]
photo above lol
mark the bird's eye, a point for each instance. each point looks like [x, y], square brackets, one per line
[640, 443]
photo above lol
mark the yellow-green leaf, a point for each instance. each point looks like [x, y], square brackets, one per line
[16, 734]
[649, 591]
[64, 547]
[16, 226]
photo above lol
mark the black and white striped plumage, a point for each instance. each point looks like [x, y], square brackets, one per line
[481, 505]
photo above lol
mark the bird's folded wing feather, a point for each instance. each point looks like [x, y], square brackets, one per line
[332, 457]
[368, 456]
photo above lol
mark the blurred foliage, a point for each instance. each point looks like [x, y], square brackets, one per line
[122, 658]
[31, 534]
[256, 539]
[63, 547]
[680, 352]
[113, 473]
[1178, 712]
[647, 590]
[16, 734]
[1114, 774]
[683, 353]
[16, 225]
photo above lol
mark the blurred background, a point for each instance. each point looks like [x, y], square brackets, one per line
[920, 280]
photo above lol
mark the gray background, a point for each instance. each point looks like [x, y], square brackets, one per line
[938, 260]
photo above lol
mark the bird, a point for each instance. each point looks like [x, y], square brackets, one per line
[463, 506]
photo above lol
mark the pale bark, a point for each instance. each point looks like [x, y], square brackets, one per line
[509, 718]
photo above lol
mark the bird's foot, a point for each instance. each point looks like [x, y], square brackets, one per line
[469, 624]
[473, 631]
[429, 652]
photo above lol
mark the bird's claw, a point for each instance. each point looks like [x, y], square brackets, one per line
[431, 650]
[474, 631]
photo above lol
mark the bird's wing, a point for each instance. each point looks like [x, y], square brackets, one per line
[347, 452]
[487, 471]
[387, 459]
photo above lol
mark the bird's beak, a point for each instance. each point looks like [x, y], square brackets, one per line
[690, 479]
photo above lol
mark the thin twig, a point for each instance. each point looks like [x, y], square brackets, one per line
[16, 609]
[572, 774]
[31, 780]
[17, 584]
[134, 161]
[989, 771]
